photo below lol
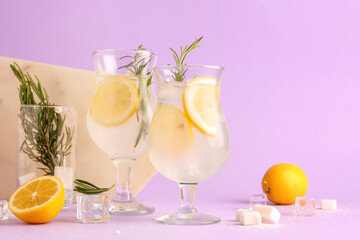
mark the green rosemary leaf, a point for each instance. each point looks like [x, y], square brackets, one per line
[149, 81]
[85, 187]
[85, 182]
[138, 67]
[180, 73]
[139, 135]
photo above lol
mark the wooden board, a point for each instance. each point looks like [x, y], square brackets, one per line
[66, 86]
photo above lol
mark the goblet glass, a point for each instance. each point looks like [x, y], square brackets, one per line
[188, 137]
[119, 116]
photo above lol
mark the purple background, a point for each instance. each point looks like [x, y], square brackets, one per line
[290, 91]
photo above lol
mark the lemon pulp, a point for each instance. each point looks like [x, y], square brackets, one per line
[38, 201]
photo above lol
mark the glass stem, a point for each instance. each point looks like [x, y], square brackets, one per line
[123, 170]
[187, 198]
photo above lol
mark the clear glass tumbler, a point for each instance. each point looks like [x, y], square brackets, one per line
[188, 137]
[47, 144]
[119, 116]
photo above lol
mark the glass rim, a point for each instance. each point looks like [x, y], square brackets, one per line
[167, 66]
[108, 50]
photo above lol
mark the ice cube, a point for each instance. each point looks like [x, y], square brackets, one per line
[257, 198]
[92, 208]
[305, 206]
[4, 211]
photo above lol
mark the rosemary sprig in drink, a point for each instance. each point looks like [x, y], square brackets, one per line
[139, 67]
[45, 141]
[179, 75]
[85, 187]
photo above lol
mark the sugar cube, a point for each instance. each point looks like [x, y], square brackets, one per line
[239, 212]
[328, 204]
[268, 213]
[250, 218]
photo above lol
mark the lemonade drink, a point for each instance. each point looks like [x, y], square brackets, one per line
[188, 139]
[117, 136]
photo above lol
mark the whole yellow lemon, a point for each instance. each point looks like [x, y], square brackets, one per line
[283, 182]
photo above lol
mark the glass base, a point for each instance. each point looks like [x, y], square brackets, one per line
[129, 208]
[194, 218]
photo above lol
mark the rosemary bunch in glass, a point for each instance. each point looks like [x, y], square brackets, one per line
[179, 74]
[138, 66]
[85, 187]
[45, 141]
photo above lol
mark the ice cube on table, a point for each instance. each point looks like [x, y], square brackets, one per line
[92, 208]
[257, 198]
[328, 204]
[4, 211]
[305, 206]
[268, 214]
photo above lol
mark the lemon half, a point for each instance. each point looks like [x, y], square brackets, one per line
[38, 201]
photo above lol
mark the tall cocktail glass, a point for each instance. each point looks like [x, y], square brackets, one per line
[188, 137]
[119, 116]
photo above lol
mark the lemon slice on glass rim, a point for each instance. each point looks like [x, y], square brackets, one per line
[115, 100]
[201, 100]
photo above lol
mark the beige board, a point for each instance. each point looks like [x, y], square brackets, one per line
[65, 86]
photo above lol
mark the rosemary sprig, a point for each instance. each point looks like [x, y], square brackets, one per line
[45, 141]
[27, 85]
[179, 75]
[138, 66]
[85, 187]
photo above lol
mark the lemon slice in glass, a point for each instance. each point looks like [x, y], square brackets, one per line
[38, 201]
[170, 131]
[201, 101]
[115, 100]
